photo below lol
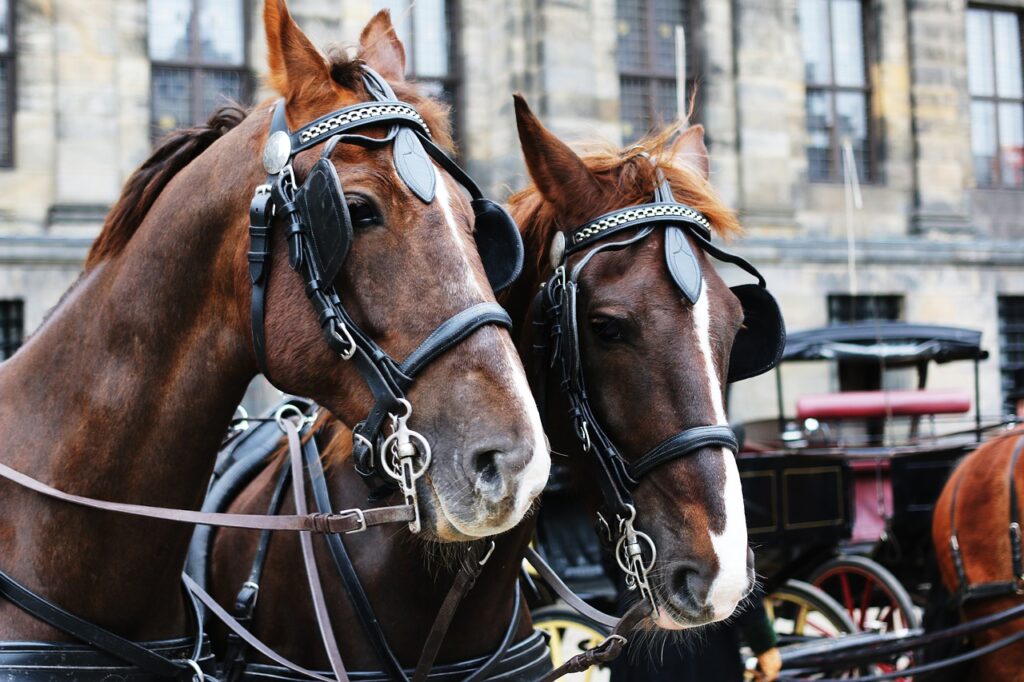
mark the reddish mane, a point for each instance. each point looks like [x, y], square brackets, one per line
[627, 177]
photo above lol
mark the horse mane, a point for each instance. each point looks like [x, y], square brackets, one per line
[626, 177]
[174, 151]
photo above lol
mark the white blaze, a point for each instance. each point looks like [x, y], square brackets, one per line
[532, 480]
[731, 583]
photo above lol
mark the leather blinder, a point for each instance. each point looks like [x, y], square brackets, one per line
[498, 242]
[759, 344]
[325, 212]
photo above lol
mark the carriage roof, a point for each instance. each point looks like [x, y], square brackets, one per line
[894, 343]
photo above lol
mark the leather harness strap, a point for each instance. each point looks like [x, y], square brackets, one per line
[1013, 586]
[316, 588]
[100, 638]
[608, 650]
[565, 593]
[472, 565]
[347, 521]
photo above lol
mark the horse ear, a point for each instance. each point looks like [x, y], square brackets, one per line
[689, 151]
[295, 63]
[557, 172]
[381, 49]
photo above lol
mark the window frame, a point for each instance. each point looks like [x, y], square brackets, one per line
[650, 73]
[9, 57]
[1007, 367]
[453, 78]
[8, 349]
[196, 68]
[995, 99]
[832, 89]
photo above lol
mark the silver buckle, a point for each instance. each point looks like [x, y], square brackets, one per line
[360, 516]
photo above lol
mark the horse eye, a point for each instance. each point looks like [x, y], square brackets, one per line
[363, 213]
[608, 329]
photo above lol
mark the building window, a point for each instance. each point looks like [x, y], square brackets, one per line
[12, 327]
[838, 91]
[647, 62]
[6, 83]
[197, 49]
[997, 97]
[844, 308]
[427, 30]
[1011, 342]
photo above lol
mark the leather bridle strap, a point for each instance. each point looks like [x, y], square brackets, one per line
[680, 445]
[346, 521]
[316, 588]
[472, 565]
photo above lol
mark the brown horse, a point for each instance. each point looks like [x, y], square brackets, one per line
[655, 364]
[975, 505]
[126, 391]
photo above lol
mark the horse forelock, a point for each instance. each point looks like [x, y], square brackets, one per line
[626, 177]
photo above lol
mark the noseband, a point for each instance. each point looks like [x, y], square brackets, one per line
[556, 314]
[320, 234]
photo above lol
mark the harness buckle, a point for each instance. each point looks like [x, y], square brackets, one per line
[339, 331]
[487, 556]
[360, 517]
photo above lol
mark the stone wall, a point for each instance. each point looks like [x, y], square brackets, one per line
[82, 125]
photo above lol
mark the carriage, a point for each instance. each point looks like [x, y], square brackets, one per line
[838, 493]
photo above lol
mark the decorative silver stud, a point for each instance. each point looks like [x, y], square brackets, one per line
[277, 152]
[557, 249]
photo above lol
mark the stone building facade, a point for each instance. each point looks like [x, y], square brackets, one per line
[84, 84]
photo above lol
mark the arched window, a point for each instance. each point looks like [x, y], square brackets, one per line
[197, 49]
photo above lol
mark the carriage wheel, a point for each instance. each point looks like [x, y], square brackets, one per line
[873, 597]
[569, 634]
[800, 612]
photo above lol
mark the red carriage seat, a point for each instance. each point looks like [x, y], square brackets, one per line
[861, 404]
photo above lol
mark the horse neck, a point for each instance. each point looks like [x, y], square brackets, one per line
[124, 394]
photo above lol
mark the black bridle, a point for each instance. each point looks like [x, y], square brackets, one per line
[556, 316]
[320, 234]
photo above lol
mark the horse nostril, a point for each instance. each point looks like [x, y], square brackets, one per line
[689, 588]
[485, 465]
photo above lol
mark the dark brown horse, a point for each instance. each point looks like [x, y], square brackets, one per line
[126, 391]
[975, 505]
[655, 365]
